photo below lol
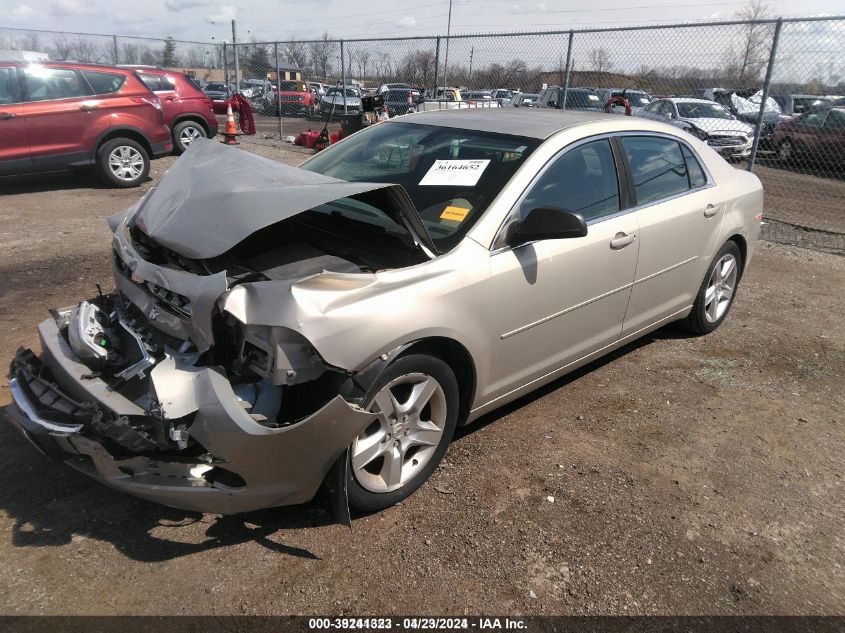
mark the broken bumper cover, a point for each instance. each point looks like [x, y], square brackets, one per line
[271, 466]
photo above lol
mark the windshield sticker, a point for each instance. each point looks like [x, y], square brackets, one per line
[454, 173]
[456, 214]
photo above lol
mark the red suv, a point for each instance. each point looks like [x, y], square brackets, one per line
[296, 98]
[60, 115]
[187, 109]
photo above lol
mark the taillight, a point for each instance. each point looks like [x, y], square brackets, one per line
[151, 100]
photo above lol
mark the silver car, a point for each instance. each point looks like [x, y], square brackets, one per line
[276, 328]
[707, 120]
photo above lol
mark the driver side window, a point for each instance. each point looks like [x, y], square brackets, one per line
[582, 180]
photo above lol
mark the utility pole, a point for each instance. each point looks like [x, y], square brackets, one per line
[446, 63]
[237, 61]
[471, 53]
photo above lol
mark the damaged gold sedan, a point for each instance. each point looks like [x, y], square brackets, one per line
[276, 328]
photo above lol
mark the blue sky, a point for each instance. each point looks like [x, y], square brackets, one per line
[283, 19]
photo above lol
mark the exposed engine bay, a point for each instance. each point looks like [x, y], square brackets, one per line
[191, 367]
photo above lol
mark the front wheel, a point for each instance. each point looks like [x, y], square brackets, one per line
[415, 403]
[123, 162]
[716, 295]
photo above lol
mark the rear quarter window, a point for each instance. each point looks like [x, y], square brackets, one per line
[103, 83]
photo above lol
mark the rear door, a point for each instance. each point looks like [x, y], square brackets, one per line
[57, 110]
[679, 212]
[14, 143]
[832, 141]
[556, 301]
[171, 102]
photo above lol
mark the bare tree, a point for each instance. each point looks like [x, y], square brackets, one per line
[600, 60]
[321, 55]
[361, 56]
[62, 48]
[296, 54]
[747, 56]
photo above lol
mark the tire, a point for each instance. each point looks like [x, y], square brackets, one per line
[122, 162]
[786, 151]
[185, 133]
[717, 292]
[425, 432]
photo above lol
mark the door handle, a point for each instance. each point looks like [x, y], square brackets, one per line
[170, 98]
[710, 210]
[7, 115]
[622, 240]
[88, 108]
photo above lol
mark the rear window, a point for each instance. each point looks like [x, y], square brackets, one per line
[103, 83]
[156, 83]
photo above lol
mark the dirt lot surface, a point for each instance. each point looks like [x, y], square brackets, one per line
[679, 475]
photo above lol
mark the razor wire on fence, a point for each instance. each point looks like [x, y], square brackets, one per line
[768, 95]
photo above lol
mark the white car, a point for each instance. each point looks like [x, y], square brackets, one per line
[707, 120]
[335, 100]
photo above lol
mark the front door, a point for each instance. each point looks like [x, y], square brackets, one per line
[557, 301]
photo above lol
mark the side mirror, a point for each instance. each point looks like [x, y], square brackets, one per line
[547, 223]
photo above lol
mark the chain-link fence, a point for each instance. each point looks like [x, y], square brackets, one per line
[767, 94]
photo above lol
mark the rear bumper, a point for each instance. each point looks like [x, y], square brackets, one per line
[243, 465]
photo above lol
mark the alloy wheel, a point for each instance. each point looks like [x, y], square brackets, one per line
[720, 288]
[126, 163]
[785, 151]
[188, 135]
[410, 420]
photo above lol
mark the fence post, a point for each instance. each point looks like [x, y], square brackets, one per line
[278, 87]
[226, 67]
[766, 84]
[568, 68]
[436, 67]
[343, 75]
[237, 62]
[114, 43]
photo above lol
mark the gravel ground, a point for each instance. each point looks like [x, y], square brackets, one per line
[678, 476]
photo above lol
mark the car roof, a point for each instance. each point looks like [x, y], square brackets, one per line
[686, 100]
[69, 64]
[536, 123]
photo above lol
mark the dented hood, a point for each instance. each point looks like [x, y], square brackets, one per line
[216, 196]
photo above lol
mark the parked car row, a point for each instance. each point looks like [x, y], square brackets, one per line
[66, 115]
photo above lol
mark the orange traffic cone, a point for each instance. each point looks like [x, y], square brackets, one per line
[231, 132]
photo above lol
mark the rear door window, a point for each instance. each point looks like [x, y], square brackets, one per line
[8, 86]
[45, 84]
[582, 180]
[658, 167]
[697, 177]
[103, 83]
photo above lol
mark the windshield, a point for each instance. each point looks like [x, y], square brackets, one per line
[635, 97]
[694, 110]
[221, 87]
[583, 99]
[450, 174]
[401, 95]
[293, 86]
[350, 92]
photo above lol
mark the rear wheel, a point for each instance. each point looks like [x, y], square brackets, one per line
[123, 162]
[716, 295]
[416, 406]
[185, 133]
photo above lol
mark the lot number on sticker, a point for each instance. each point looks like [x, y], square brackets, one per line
[455, 173]
[454, 213]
